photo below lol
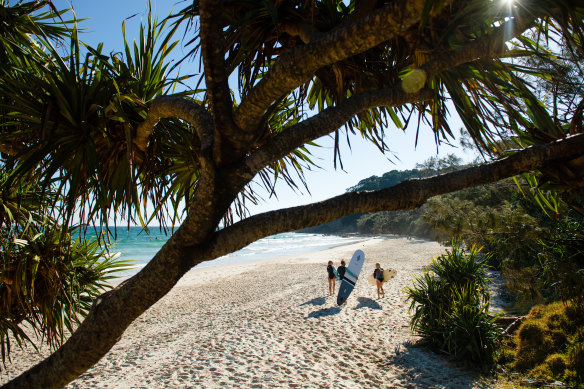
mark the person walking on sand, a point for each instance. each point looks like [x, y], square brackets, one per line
[331, 278]
[341, 270]
[378, 275]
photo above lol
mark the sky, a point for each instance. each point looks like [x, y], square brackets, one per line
[360, 161]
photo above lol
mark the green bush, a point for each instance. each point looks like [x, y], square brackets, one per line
[48, 282]
[557, 364]
[450, 301]
[550, 343]
[504, 355]
[576, 360]
[533, 345]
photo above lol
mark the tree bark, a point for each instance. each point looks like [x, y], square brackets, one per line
[230, 141]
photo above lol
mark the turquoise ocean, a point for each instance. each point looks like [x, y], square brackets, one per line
[139, 247]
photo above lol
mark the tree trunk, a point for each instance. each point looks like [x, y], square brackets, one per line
[107, 320]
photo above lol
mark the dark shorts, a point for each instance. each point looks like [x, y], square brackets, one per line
[331, 277]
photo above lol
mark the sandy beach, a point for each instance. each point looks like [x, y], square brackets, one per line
[271, 324]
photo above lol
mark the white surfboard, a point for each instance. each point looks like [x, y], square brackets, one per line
[351, 275]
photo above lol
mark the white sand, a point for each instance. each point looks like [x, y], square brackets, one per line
[271, 324]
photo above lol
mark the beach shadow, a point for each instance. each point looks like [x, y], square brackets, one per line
[365, 302]
[423, 368]
[315, 301]
[324, 312]
[415, 240]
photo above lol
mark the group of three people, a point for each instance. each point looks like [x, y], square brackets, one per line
[377, 274]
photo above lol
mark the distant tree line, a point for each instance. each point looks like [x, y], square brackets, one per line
[402, 222]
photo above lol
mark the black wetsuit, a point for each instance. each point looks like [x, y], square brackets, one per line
[331, 273]
[378, 274]
[341, 270]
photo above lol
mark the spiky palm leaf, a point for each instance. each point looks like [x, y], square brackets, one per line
[449, 303]
[22, 21]
[49, 280]
[78, 120]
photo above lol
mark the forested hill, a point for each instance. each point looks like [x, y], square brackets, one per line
[407, 222]
[390, 178]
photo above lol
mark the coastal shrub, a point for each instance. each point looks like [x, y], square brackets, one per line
[548, 266]
[556, 364]
[533, 345]
[550, 343]
[505, 355]
[449, 304]
[473, 334]
[576, 359]
[460, 269]
[561, 255]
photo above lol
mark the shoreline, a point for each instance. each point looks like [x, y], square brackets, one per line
[270, 323]
[235, 258]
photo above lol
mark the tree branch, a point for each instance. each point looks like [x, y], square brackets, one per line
[10, 149]
[299, 64]
[216, 79]
[305, 31]
[488, 46]
[409, 194]
[169, 106]
[202, 212]
[329, 120]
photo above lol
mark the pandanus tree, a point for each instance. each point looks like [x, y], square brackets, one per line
[50, 273]
[111, 135]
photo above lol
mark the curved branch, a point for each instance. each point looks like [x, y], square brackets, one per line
[169, 106]
[202, 122]
[297, 65]
[305, 31]
[409, 194]
[330, 120]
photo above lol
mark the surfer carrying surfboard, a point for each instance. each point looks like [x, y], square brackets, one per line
[341, 270]
[331, 278]
[378, 275]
